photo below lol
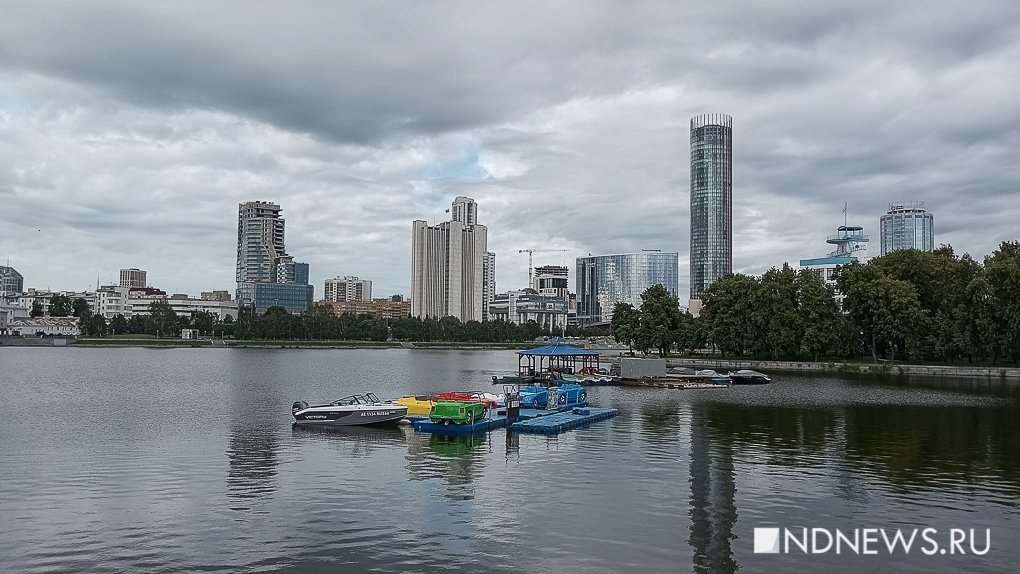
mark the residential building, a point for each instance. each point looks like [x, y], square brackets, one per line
[907, 226]
[266, 275]
[378, 308]
[260, 241]
[548, 310]
[447, 265]
[347, 288]
[602, 281]
[711, 200]
[488, 283]
[10, 281]
[132, 278]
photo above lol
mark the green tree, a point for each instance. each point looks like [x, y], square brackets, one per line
[1002, 269]
[119, 324]
[162, 320]
[659, 324]
[80, 309]
[60, 306]
[775, 314]
[625, 324]
[728, 305]
[95, 326]
[819, 314]
[38, 310]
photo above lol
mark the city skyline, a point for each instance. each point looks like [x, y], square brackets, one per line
[130, 145]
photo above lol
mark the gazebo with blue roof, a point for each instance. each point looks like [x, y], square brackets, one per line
[557, 356]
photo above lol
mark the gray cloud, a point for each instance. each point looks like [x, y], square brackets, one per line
[129, 133]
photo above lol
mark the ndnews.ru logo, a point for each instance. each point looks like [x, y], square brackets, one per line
[866, 541]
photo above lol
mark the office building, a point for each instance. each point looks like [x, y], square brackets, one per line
[10, 281]
[132, 278]
[347, 288]
[266, 275]
[851, 246]
[551, 280]
[549, 311]
[711, 200]
[488, 283]
[907, 226]
[447, 265]
[602, 281]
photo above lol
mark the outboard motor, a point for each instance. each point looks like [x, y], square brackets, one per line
[298, 406]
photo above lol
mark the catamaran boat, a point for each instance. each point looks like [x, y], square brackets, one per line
[355, 410]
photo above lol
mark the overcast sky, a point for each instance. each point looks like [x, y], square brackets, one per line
[130, 131]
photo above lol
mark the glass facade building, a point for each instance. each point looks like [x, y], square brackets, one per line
[907, 226]
[293, 297]
[711, 200]
[602, 281]
[10, 281]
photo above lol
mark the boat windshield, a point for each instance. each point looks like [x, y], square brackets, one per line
[367, 399]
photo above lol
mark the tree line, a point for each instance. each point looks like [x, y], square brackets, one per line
[906, 305]
[277, 324]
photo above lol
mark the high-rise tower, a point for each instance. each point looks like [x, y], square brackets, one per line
[711, 200]
[259, 241]
[447, 265]
[907, 226]
[266, 275]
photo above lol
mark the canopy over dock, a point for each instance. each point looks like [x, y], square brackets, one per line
[558, 356]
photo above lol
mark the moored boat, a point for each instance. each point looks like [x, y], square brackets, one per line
[354, 410]
[749, 377]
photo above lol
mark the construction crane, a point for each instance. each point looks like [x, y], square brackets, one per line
[531, 273]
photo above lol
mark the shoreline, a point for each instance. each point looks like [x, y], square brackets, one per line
[610, 355]
[848, 368]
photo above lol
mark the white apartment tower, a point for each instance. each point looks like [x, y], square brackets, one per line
[348, 288]
[447, 265]
[488, 283]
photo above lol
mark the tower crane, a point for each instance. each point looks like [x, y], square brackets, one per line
[531, 274]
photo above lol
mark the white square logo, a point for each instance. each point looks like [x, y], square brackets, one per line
[766, 541]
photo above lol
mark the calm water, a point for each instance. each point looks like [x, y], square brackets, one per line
[139, 460]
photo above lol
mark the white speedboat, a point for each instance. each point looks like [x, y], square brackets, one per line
[355, 410]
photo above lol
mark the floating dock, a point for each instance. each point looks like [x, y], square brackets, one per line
[577, 414]
[683, 383]
[563, 421]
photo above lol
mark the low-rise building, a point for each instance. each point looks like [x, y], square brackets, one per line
[546, 309]
[378, 308]
[44, 326]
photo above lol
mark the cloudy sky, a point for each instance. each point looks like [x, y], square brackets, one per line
[130, 131]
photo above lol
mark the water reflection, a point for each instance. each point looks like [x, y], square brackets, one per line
[713, 509]
[908, 446]
[356, 441]
[252, 455]
[455, 458]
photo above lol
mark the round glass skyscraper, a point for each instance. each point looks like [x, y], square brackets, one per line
[711, 200]
[907, 226]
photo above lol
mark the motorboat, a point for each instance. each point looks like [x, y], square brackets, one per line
[354, 410]
[749, 377]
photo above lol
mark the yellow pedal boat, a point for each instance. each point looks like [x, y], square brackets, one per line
[416, 404]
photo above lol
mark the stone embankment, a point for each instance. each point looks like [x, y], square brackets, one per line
[844, 368]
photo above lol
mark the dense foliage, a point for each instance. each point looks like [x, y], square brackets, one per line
[933, 307]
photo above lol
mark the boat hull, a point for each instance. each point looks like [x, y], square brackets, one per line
[386, 416]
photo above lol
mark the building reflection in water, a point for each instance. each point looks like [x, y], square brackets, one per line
[713, 491]
[252, 452]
